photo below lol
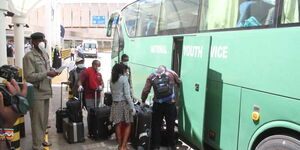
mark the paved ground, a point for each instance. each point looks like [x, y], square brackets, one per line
[57, 140]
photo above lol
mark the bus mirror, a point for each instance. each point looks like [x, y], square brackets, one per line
[114, 19]
[109, 28]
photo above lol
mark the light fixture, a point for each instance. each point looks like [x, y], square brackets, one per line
[9, 14]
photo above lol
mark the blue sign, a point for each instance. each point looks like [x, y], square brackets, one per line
[98, 20]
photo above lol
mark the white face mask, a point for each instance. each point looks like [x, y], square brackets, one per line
[125, 63]
[98, 69]
[42, 46]
[80, 66]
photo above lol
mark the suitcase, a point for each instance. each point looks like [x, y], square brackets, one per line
[61, 113]
[73, 131]
[74, 109]
[99, 125]
[107, 98]
[141, 134]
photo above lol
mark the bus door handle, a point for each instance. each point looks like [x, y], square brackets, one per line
[197, 87]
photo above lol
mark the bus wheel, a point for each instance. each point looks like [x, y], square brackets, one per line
[279, 142]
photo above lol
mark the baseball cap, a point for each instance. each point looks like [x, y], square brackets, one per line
[78, 59]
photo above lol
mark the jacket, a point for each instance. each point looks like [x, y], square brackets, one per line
[35, 66]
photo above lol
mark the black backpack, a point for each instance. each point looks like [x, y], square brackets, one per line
[162, 88]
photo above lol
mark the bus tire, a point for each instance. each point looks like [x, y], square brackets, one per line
[279, 142]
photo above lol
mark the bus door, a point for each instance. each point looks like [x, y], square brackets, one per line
[194, 68]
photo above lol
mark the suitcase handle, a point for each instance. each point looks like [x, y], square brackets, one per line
[96, 97]
[61, 89]
[81, 99]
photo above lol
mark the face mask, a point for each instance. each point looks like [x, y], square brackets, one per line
[80, 66]
[42, 46]
[125, 63]
[98, 69]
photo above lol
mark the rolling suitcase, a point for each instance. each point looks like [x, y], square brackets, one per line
[141, 134]
[107, 98]
[61, 113]
[74, 109]
[73, 131]
[99, 125]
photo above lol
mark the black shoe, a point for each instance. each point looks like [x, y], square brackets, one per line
[47, 144]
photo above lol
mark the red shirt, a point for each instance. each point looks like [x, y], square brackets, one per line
[86, 78]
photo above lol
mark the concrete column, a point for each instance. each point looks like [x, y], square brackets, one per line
[19, 22]
[3, 54]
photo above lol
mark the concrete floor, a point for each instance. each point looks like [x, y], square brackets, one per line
[57, 140]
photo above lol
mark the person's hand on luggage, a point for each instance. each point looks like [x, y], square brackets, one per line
[133, 111]
[100, 88]
[142, 104]
[80, 88]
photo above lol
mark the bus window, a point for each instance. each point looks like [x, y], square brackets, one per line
[236, 13]
[115, 46]
[290, 13]
[179, 17]
[130, 14]
[148, 17]
[256, 13]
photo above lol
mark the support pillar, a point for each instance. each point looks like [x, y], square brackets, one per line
[3, 53]
[19, 22]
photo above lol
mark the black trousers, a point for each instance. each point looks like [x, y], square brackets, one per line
[161, 110]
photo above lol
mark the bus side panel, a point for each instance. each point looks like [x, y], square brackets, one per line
[262, 59]
[271, 108]
[145, 55]
[222, 114]
[194, 69]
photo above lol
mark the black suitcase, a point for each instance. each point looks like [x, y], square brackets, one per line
[73, 131]
[99, 125]
[61, 113]
[141, 134]
[74, 110]
[107, 98]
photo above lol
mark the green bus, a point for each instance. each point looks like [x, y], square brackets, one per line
[237, 60]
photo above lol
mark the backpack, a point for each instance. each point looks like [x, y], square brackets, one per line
[162, 88]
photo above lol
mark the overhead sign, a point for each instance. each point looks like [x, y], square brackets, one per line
[98, 20]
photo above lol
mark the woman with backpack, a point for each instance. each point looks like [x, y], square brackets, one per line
[122, 109]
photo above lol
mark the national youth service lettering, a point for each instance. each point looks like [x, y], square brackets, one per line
[159, 49]
[197, 51]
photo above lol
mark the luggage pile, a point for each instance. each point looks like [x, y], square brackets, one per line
[69, 120]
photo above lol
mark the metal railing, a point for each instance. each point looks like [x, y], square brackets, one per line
[65, 53]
